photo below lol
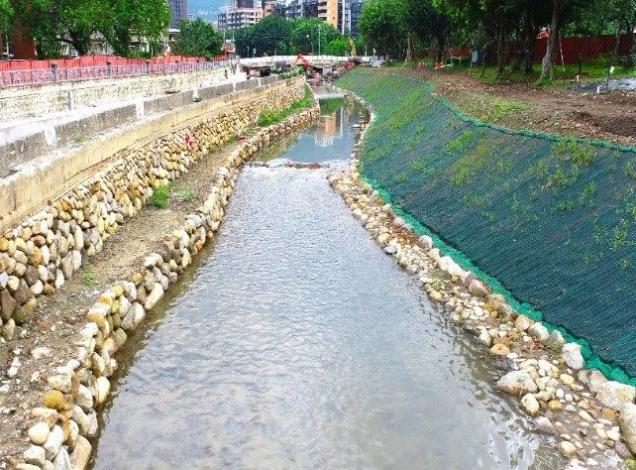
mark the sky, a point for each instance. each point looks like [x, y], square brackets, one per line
[205, 9]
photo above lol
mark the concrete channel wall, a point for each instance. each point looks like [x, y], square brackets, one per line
[17, 152]
[27, 101]
[57, 213]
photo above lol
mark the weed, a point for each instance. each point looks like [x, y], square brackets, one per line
[418, 166]
[565, 206]
[88, 277]
[502, 109]
[571, 151]
[460, 143]
[620, 236]
[630, 171]
[161, 197]
[186, 194]
[78, 138]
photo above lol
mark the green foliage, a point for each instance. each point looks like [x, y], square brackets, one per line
[382, 26]
[273, 116]
[52, 22]
[308, 33]
[123, 18]
[88, 278]
[78, 138]
[186, 193]
[331, 105]
[6, 15]
[338, 47]
[199, 38]
[570, 150]
[161, 197]
[270, 36]
[503, 109]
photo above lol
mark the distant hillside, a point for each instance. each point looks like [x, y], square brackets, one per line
[205, 9]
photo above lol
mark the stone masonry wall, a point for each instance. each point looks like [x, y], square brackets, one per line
[40, 254]
[60, 429]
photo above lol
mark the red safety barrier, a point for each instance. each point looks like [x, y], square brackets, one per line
[37, 72]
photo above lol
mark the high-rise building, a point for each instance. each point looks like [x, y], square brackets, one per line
[328, 11]
[355, 8]
[178, 12]
[239, 14]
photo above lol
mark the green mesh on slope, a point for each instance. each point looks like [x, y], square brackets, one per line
[546, 219]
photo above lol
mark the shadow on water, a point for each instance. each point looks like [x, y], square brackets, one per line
[294, 342]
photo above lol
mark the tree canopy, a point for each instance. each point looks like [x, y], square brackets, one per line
[275, 35]
[394, 27]
[199, 38]
[52, 22]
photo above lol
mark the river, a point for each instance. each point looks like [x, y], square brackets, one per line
[297, 343]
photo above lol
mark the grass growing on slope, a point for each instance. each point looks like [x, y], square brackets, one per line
[272, 116]
[552, 218]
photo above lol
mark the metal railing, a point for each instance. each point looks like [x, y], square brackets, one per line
[55, 74]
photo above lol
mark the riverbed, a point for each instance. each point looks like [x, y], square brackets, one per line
[297, 343]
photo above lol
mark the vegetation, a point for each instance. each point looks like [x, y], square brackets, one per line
[161, 197]
[199, 39]
[53, 22]
[556, 209]
[272, 116]
[408, 28]
[88, 278]
[186, 193]
[331, 105]
[276, 35]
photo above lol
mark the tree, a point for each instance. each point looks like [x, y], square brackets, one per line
[339, 47]
[6, 15]
[199, 38]
[272, 35]
[307, 32]
[428, 23]
[380, 24]
[76, 21]
[244, 41]
[124, 18]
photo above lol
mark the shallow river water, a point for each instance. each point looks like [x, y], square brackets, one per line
[297, 343]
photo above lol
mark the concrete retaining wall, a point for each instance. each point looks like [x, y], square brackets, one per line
[15, 154]
[27, 101]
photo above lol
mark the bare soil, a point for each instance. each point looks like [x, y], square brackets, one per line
[608, 116]
[59, 317]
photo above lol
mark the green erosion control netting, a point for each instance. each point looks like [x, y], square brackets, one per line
[550, 220]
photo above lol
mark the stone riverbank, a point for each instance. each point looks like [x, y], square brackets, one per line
[43, 252]
[60, 429]
[593, 420]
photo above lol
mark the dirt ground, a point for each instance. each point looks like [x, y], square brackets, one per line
[608, 116]
[47, 341]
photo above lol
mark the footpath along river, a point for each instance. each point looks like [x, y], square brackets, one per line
[297, 343]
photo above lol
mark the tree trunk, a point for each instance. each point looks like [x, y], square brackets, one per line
[441, 45]
[501, 53]
[409, 46]
[547, 70]
[631, 45]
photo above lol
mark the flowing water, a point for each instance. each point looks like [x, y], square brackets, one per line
[296, 343]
